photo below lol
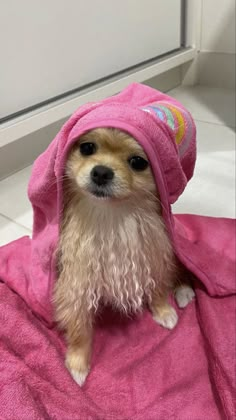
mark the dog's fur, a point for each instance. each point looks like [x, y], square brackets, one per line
[112, 250]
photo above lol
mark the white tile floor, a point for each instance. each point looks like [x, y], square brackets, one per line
[212, 190]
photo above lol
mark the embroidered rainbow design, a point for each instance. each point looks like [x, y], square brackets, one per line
[177, 119]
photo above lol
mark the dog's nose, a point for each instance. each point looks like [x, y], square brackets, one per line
[102, 175]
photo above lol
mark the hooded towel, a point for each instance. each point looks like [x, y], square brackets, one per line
[146, 372]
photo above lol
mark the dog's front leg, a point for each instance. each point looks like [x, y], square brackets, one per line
[163, 313]
[79, 339]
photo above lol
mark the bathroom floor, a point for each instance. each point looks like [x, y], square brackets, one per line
[211, 191]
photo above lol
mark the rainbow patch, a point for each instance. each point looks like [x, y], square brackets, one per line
[177, 119]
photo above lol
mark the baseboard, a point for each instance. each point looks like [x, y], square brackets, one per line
[216, 69]
[22, 151]
[166, 81]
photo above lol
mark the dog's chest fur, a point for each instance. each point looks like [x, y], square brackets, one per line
[112, 253]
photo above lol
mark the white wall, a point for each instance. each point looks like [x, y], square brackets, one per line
[216, 64]
[59, 46]
[218, 26]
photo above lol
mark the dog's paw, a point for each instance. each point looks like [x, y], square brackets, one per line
[166, 317]
[77, 366]
[79, 376]
[183, 295]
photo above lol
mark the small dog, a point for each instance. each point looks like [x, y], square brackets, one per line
[113, 247]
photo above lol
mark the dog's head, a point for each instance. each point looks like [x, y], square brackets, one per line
[107, 163]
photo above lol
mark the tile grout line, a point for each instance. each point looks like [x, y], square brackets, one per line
[16, 223]
[214, 123]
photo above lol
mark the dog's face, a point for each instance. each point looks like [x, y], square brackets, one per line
[107, 163]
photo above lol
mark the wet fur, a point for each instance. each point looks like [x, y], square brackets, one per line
[113, 251]
[118, 255]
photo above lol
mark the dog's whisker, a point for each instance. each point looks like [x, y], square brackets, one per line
[58, 180]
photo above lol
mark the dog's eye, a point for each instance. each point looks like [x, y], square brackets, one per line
[87, 149]
[138, 163]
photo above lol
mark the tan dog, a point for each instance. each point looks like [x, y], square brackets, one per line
[113, 246]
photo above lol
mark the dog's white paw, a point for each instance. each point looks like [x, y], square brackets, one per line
[183, 295]
[166, 317]
[79, 376]
[77, 366]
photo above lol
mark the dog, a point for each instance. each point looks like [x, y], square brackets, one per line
[113, 248]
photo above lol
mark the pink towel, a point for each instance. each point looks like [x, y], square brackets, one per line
[140, 371]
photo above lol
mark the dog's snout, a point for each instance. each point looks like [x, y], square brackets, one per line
[102, 175]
